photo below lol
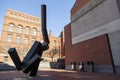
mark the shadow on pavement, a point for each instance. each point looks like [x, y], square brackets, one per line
[6, 67]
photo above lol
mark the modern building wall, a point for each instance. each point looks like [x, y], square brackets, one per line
[96, 50]
[78, 5]
[91, 24]
[93, 34]
[114, 38]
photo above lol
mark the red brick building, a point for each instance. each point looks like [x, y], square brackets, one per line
[94, 35]
[20, 30]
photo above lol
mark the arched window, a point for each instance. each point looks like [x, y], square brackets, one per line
[25, 50]
[26, 18]
[19, 29]
[55, 42]
[18, 39]
[5, 58]
[26, 40]
[23, 17]
[9, 38]
[11, 14]
[33, 40]
[15, 15]
[27, 30]
[19, 16]
[11, 27]
[34, 31]
[32, 20]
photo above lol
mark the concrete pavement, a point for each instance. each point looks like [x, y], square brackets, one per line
[56, 74]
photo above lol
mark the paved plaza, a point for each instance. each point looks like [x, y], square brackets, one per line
[55, 74]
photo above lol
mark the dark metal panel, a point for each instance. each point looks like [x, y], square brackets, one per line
[118, 3]
[32, 65]
[15, 58]
[36, 48]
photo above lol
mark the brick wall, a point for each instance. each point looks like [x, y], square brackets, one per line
[96, 49]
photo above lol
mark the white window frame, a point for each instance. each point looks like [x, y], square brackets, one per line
[11, 27]
[26, 40]
[9, 38]
[34, 31]
[33, 40]
[27, 30]
[18, 39]
[19, 29]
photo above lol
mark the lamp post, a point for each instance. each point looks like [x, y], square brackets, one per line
[59, 51]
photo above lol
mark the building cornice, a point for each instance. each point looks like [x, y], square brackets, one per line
[11, 10]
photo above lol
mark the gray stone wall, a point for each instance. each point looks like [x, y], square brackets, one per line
[105, 12]
[114, 39]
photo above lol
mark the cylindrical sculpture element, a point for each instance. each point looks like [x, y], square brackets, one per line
[43, 22]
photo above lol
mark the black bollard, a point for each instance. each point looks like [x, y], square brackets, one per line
[74, 66]
[90, 66]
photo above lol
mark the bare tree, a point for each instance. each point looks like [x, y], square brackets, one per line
[53, 52]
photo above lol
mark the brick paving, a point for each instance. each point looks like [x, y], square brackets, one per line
[55, 74]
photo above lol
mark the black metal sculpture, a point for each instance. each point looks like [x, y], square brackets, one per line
[31, 62]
